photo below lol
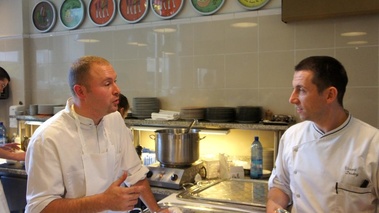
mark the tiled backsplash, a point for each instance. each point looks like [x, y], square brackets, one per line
[205, 62]
[212, 63]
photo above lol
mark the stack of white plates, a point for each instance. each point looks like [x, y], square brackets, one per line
[144, 106]
[192, 113]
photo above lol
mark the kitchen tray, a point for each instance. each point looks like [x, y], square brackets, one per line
[234, 191]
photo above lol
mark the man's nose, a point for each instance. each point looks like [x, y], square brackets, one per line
[292, 98]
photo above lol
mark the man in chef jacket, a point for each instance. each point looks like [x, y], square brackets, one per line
[329, 162]
[80, 159]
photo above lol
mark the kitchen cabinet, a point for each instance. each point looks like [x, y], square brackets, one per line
[299, 10]
[14, 180]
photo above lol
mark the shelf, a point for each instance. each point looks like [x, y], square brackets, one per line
[178, 123]
[204, 124]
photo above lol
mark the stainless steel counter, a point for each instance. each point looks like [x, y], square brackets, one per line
[17, 169]
[178, 123]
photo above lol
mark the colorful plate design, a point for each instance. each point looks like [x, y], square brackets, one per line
[166, 9]
[43, 16]
[133, 10]
[207, 7]
[253, 4]
[71, 13]
[101, 12]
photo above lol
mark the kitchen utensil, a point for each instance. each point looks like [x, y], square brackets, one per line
[220, 114]
[46, 109]
[192, 113]
[248, 114]
[175, 147]
[191, 125]
[33, 109]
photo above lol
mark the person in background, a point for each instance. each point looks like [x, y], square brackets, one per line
[123, 106]
[80, 159]
[329, 162]
[10, 150]
[4, 79]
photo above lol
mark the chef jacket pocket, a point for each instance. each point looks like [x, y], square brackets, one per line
[75, 184]
[354, 199]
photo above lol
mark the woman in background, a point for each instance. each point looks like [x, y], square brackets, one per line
[123, 106]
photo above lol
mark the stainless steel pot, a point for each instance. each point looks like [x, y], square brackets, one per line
[175, 147]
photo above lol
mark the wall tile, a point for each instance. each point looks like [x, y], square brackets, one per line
[276, 69]
[314, 35]
[274, 35]
[363, 70]
[365, 24]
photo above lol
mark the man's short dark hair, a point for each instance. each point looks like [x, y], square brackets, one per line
[328, 72]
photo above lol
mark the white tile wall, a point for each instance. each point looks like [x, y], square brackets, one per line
[206, 62]
[211, 63]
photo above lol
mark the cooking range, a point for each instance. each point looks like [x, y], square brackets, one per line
[174, 177]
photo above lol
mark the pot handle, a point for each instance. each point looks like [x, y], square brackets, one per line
[152, 137]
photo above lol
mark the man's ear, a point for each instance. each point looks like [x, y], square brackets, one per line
[332, 93]
[79, 90]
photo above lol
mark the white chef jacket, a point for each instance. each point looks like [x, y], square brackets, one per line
[54, 156]
[323, 172]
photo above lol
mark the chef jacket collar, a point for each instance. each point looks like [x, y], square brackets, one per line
[342, 126]
[84, 121]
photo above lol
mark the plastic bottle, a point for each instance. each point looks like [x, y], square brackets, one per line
[3, 134]
[256, 168]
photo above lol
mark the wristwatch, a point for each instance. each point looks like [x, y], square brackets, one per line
[280, 210]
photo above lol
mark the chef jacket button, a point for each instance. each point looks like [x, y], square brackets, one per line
[297, 195]
[295, 172]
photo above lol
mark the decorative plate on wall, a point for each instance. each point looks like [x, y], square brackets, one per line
[166, 9]
[101, 12]
[253, 4]
[43, 16]
[71, 13]
[133, 11]
[207, 7]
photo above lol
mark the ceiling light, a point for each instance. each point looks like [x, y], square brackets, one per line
[87, 40]
[357, 42]
[244, 24]
[164, 30]
[351, 34]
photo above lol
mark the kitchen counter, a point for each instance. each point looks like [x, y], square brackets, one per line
[204, 124]
[18, 169]
[177, 123]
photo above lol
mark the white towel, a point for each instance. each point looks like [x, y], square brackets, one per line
[165, 115]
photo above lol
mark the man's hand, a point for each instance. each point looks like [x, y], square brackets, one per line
[122, 198]
[11, 146]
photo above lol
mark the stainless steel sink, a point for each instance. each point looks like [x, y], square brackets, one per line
[232, 195]
[199, 208]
